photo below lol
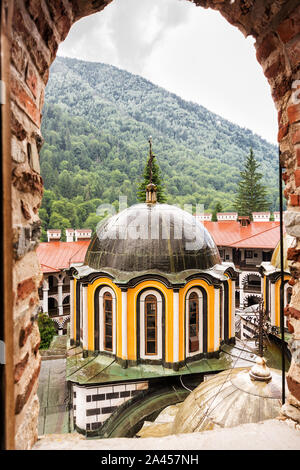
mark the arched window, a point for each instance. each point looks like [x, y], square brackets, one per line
[193, 322]
[108, 321]
[52, 282]
[52, 306]
[150, 325]
[221, 315]
[81, 311]
[105, 321]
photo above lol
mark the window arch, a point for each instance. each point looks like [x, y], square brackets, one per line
[81, 311]
[105, 320]
[52, 306]
[196, 322]
[108, 321]
[221, 315]
[193, 316]
[150, 325]
[150, 337]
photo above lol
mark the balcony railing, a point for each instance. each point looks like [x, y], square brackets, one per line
[53, 312]
[54, 290]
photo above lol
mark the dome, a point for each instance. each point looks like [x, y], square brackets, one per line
[152, 236]
[288, 241]
[229, 399]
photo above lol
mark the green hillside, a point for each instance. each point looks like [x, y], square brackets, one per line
[96, 123]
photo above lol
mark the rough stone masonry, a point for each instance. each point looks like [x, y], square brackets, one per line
[38, 28]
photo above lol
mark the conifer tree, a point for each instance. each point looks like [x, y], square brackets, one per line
[156, 179]
[251, 195]
[218, 208]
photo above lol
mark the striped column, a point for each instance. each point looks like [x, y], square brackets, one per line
[71, 311]
[176, 326]
[233, 309]
[45, 296]
[60, 298]
[124, 325]
[272, 304]
[84, 317]
[217, 319]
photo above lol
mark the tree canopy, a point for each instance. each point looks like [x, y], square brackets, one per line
[218, 208]
[96, 120]
[251, 195]
[156, 179]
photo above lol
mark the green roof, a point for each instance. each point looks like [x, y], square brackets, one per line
[103, 369]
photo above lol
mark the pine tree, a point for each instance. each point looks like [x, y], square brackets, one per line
[218, 208]
[156, 179]
[251, 195]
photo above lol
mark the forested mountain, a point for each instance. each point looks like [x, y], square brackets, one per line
[96, 123]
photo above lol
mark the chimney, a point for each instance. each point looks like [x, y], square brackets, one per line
[221, 216]
[277, 216]
[261, 216]
[203, 217]
[53, 235]
[70, 234]
[244, 220]
[83, 234]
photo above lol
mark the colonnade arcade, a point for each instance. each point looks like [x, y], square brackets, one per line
[56, 299]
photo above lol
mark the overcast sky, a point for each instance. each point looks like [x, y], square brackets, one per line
[186, 49]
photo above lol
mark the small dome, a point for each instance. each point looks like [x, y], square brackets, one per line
[152, 236]
[229, 399]
[287, 243]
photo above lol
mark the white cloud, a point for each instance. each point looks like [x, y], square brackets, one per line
[188, 50]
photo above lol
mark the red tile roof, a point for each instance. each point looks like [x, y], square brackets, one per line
[54, 256]
[254, 235]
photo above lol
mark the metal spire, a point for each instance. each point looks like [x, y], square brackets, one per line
[260, 330]
[151, 196]
[260, 371]
[150, 157]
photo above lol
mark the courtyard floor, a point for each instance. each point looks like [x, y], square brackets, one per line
[268, 435]
[53, 397]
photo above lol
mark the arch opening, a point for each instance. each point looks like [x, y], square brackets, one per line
[277, 51]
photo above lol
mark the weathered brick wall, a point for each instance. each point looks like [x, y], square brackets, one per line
[38, 28]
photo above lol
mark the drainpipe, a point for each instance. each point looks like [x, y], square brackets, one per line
[282, 281]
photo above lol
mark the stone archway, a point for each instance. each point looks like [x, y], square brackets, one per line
[38, 26]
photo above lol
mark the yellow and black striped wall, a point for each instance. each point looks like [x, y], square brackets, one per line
[213, 297]
[271, 294]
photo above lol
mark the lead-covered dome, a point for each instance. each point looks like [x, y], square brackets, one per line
[229, 399]
[152, 236]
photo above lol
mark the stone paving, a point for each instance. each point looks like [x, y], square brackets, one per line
[53, 397]
[267, 435]
[57, 349]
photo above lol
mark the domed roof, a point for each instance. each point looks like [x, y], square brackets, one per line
[288, 241]
[229, 399]
[152, 236]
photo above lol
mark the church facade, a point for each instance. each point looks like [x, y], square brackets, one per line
[152, 318]
[152, 296]
[271, 275]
